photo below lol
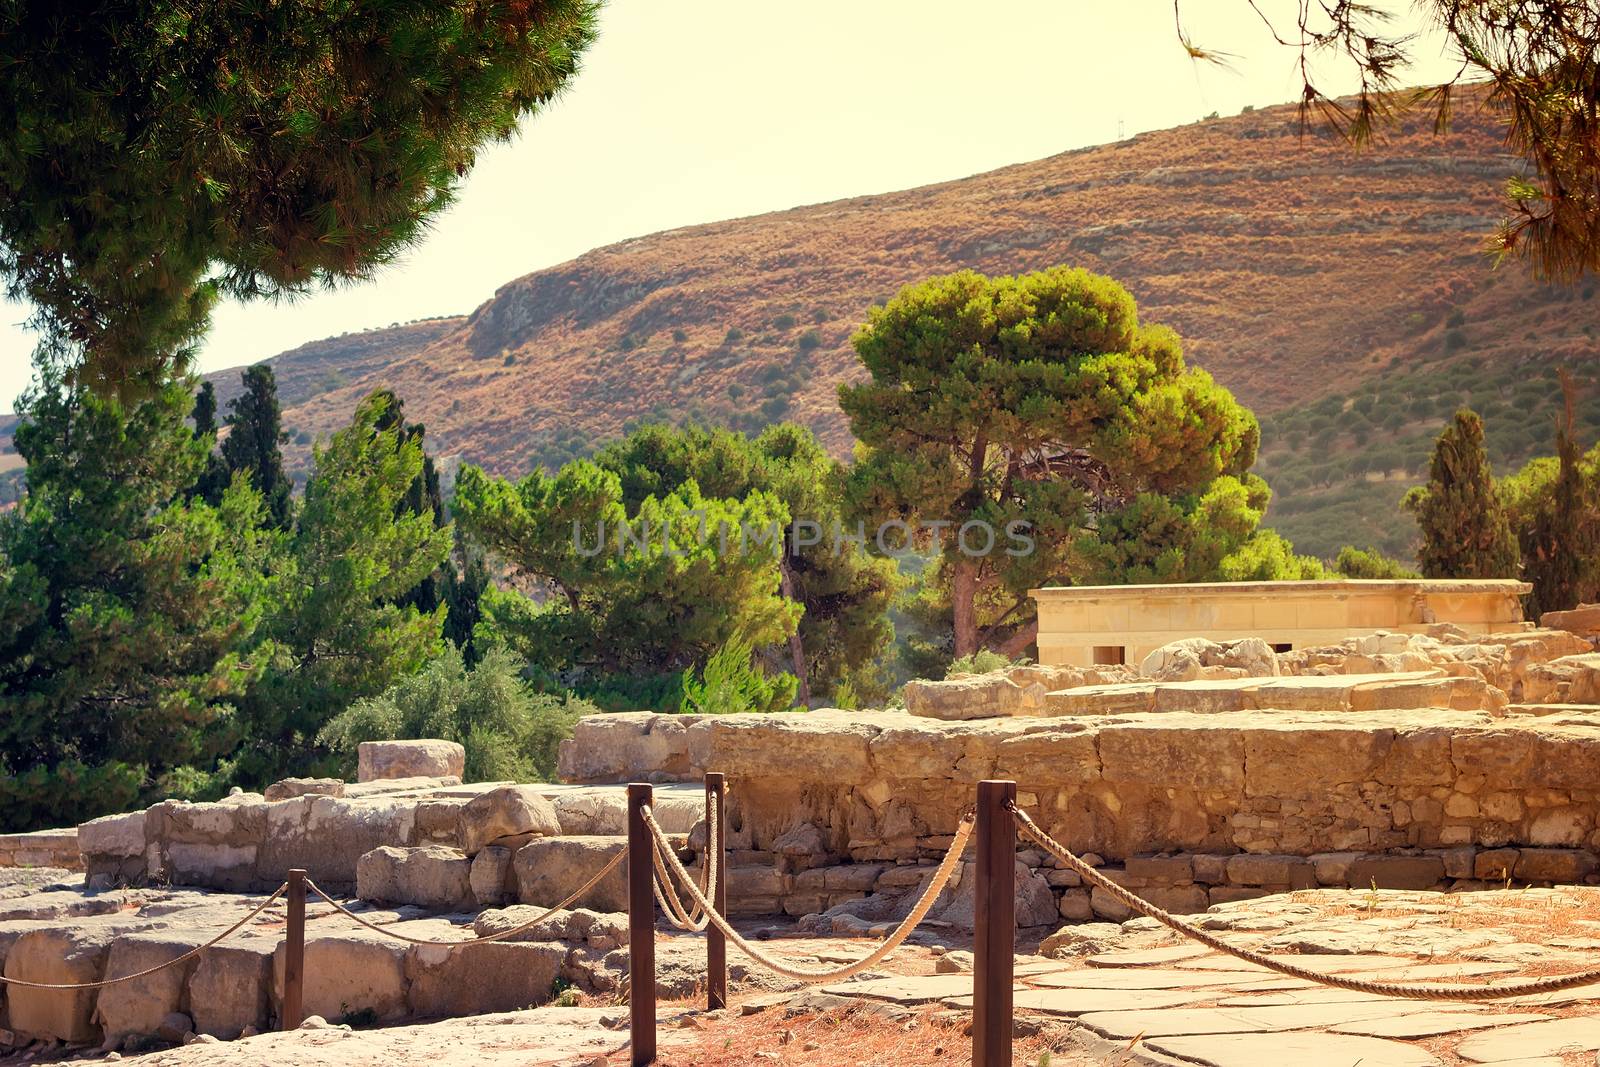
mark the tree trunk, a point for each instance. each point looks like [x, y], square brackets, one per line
[797, 648]
[963, 593]
[1012, 646]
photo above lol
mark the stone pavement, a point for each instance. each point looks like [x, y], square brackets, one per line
[1139, 987]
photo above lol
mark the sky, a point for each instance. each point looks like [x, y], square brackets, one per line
[698, 110]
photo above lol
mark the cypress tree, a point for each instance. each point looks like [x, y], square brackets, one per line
[254, 442]
[214, 476]
[1465, 530]
[1562, 539]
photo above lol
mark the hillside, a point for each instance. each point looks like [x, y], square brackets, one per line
[1342, 295]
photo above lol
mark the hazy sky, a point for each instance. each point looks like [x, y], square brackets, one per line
[698, 110]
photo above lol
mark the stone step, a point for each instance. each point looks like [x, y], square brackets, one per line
[1334, 692]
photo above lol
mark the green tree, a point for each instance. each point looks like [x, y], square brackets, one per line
[1560, 536]
[214, 475]
[156, 156]
[1026, 403]
[844, 591]
[1354, 562]
[510, 732]
[1464, 526]
[254, 444]
[128, 613]
[354, 551]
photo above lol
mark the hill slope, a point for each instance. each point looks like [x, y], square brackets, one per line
[1340, 294]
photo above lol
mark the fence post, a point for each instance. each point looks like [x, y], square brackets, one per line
[294, 953]
[995, 908]
[716, 942]
[641, 930]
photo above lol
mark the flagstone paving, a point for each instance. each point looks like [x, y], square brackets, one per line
[1160, 999]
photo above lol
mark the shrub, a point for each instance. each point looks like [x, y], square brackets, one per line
[510, 732]
[810, 340]
[679, 336]
[733, 336]
[1355, 562]
[785, 321]
[982, 662]
[732, 683]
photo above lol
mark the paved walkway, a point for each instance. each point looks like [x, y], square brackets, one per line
[1171, 1000]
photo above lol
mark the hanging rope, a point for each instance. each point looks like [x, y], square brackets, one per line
[941, 875]
[1553, 984]
[695, 920]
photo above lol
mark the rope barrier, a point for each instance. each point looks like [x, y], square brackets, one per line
[616, 860]
[691, 920]
[1410, 991]
[276, 893]
[941, 875]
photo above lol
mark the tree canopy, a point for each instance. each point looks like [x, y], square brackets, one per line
[1465, 530]
[157, 155]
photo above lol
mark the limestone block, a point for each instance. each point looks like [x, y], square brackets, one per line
[1556, 827]
[139, 1007]
[508, 811]
[1153, 753]
[823, 746]
[1178, 899]
[327, 835]
[1161, 870]
[121, 836]
[431, 877]
[604, 930]
[1562, 865]
[1495, 864]
[231, 987]
[974, 696]
[547, 869]
[1074, 907]
[438, 821]
[57, 955]
[479, 979]
[290, 788]
[1179, 661]
[1333, 868]
[804, 841]
[427, 758]
[628, 746]
[1247, 869]
[1051, 755]
[1583, 620]
[1396, 872]
[348, 974]
[492, 878]
[1105, 906]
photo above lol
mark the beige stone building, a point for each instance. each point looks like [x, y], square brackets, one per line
[1084, 625]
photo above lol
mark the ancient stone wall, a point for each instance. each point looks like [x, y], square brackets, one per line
[42, 848]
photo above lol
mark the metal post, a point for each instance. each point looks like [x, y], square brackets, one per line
[294, 953]
[995, 908]
[716, 942]
[641, 930]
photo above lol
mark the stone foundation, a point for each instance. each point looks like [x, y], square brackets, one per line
[42, 848]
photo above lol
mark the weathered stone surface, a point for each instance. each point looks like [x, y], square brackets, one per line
[1397, 872]
[1306, 1050]
[507, 812]
[1554, 865]
[56, 955]
[428, 758]
[231, 987]
[548, 869]
[113, 835]
[289, 788]
[1196, 657]
[477, 979]
[974, 696]
[431, 877]
[1583, 620]
[492, 880]
[139, 1007]
[350, 974]
[327, 835]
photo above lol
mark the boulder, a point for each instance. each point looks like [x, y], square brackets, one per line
[509, 811]
[290, 788]
[975, 696]
[356, 974]
[230, 989]
[479, 979]
[1583, 620]
[138, 1008]
[58, 955]
[1196, 657]
[548, 869]
[432, 877]
[492, 879]
[428, 758]
[602, 930]
[1034, 903]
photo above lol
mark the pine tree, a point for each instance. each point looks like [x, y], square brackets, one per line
[215, 476]
[1561, 539]
[1465, 530]
[254, 445]
[157, 156]
[128, 611]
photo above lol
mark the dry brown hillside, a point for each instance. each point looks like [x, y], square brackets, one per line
[1297, 269]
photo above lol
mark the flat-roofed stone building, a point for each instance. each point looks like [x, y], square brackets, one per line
[1084, 625]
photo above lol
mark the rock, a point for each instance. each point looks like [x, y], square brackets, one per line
[429, 758]
[1554, 865]
[478, 979]
[599, 929]
[350, 974]
[974, 696]
[548, 869]
[804, 840]
[140, 1008]
[290, 788]
[1180, 661]
[174, 1027]
[1396, 872]
[1197, 657]
[113, 835]
[1035, 904]
[509, 811]
[230, 989]
[1251, 655]
[1085, 939]
[957, 962]
[1583, 620]
[492, 879]
[328, 835]
[432, 877]
[56, 955]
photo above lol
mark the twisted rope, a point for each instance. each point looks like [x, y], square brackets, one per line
[276, 893]
[621, 855]
[941, 875]
[695, 920]
[1410, 991]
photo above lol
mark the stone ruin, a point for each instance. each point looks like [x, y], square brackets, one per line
[1208, 773]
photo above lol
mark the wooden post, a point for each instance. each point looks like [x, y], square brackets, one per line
[294, 953]
[641, 930]
[995, 916]
[716, 942]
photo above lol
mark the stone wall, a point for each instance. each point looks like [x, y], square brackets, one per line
[42, 848]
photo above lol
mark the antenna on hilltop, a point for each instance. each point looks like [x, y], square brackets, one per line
[1120, 126]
